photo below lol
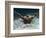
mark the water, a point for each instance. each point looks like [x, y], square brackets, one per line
[19, 24]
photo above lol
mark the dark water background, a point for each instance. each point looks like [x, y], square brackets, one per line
[25, 12]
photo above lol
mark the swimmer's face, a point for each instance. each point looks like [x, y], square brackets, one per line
[27, 16]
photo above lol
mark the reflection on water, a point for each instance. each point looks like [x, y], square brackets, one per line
[19, 24]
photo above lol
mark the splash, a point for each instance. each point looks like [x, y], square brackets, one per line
[19, 24]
